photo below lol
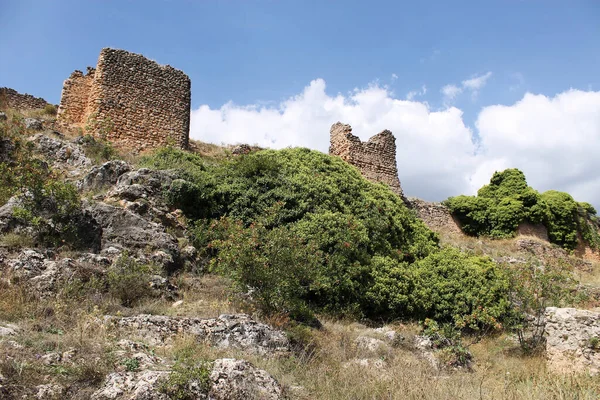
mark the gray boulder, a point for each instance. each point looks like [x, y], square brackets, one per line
[238, 379]
[3, 116]
[32, 123]
[126, 230]
[104, 175]
[230, 379]
[64, 155]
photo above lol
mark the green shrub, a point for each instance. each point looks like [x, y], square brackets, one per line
[274, 266]
[50, 109]
[98, 149]
[507, 201]
[129, 280]
[448, 286]
[533, 287]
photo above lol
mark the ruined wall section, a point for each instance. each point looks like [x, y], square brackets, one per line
[436, 216]
[10, 98]
[74, 105]
[147, 104]
[376, 158]
[130, 100]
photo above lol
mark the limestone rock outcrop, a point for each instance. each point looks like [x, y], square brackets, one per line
[572, 340]
[237, 331]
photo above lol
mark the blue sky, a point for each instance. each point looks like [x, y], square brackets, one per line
[263, 55]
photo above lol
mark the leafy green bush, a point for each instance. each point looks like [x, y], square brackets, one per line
[50, 109]
[533, 287]
[98, 149]
[507, 201]
[129, 281]
[448, 286]
[274, 265]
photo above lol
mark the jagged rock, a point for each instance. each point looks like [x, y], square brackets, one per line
[370, 344]
[49, 391]
[7, 220]
[3, 116]
[236, 331]
[64, 155]
[572, 340]
[7, 147]
[8, 329]
[41, 273]
[142, 385]
[32, 123]
[50, 358]
[123, 229]
[365, 363]
[142, 183]
[233, 379]
[424, 346]
[241, 149]
[230, 379]
[104, 175]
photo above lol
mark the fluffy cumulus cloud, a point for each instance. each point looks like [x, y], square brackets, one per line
[553, 140]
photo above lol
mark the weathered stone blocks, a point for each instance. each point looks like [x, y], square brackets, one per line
[130, 100]
[10, 98]
[376, 158]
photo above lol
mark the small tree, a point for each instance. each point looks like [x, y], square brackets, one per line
[535, 286]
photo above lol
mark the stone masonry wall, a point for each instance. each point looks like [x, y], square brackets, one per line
[572, 340]
[376, 158]
[74, 101]
[10, 98]
[133, 101]
[436, 216]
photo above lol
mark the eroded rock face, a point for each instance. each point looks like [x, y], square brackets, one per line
[572, 340]
[237, 331]
[63, 154]
[230, 379]
[104, 175]
[238, 379]
[123, 229]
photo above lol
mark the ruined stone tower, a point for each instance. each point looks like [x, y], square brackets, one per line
[133, 101]
[376, 158]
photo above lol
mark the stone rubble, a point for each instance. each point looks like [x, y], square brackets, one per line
[237, 331]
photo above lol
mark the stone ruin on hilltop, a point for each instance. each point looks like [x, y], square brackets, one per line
[375, 158]
[130, 100]
[10, 98]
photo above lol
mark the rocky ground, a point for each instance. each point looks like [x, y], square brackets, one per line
[163, 335]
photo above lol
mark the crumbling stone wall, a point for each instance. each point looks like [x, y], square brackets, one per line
[572, 340]
[133, 101]
[376, 158]
[10, 98]
[74, 102]
[436, 216]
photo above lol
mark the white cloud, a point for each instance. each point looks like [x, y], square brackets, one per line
[451, 91]
[414, 93]
[476, 83]
[394, 77]
[473, 85]
[555, 141]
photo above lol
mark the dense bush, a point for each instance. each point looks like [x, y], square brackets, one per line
[48, 203]
[448, 286]
[507, 201]
[307, 225]
[129, 280]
